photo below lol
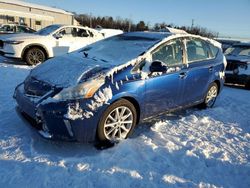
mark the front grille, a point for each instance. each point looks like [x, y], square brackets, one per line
[35, 87]
[1, 44]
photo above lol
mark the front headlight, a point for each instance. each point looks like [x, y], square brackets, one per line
[12, 42]
[84, 90]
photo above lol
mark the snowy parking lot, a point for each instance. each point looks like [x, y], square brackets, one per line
[190, 148]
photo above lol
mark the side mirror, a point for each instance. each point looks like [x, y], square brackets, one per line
[157, 66]
[58, 35]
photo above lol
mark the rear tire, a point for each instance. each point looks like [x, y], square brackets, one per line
[210, 97]
[247, 86]
[34, 56]
[117, 122]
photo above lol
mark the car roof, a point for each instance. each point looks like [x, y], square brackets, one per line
[148, 35]
[242, 44]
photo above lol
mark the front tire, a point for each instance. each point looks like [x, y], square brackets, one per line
[34, 56]
[247, 86]
[117, 122]
[211, 96]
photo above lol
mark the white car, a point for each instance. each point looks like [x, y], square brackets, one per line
[48, 42]
[109, 32]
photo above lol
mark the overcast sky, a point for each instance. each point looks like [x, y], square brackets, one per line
[228, 17]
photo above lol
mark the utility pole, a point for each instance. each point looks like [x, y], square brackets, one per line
[90, 20]
[192, 23]
[129, 23]
[129, 26]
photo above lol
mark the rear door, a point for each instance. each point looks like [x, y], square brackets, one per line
[164, 90]
[200, 70]
[82, 37]
[65, 43]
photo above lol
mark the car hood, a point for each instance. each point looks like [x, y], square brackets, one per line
[238, 58]
[20, 36]
[68, 70]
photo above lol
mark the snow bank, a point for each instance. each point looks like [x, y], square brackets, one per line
[190, 148]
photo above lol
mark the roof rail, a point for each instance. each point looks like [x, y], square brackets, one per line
[173, 30]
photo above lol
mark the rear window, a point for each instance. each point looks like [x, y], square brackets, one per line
[214, 50]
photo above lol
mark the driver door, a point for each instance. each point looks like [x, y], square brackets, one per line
[164, 90]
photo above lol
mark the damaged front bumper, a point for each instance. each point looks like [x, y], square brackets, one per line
[51, 120]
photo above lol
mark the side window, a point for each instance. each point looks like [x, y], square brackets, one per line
[21, 29]
[9, 28]
[196, 50]
[245, 52]
[66, 32]
[80, 32]
[214, 50]
[170, 54]
[91, 34]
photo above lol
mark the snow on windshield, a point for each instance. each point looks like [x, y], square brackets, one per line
[47, 30]
[119, 49]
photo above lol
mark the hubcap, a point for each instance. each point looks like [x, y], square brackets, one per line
[118, 123]
[36, 56]
[211, 96]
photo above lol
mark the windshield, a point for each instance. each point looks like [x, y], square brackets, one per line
[119, 49]
[48, 30]
[238, 51]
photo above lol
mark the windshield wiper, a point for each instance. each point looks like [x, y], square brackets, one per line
[86, 55]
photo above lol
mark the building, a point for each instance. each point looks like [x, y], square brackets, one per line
[33, 15]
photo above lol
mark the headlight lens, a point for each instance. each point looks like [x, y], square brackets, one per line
[13, 42]
[84, 90]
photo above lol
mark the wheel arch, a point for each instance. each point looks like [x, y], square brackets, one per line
[136, 105]
[218, 84]
[40, 46]
[132, 100]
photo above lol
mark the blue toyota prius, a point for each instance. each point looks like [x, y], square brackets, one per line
[102, 91]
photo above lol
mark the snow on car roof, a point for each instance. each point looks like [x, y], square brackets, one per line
[148, 35]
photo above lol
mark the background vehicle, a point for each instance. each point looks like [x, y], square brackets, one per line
[109, 32]
[102, 91]
[48, 42]
[238, 64]
[15, 28]
[226, 43]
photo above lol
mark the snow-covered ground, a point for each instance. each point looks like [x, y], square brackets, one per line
[191, 148]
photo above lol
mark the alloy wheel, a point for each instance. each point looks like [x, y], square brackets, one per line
[36, 56]
[118, 123]
[211, 96]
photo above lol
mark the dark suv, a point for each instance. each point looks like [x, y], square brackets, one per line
[238, 64]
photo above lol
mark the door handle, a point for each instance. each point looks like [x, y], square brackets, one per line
[182, 75]
[210, 69]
